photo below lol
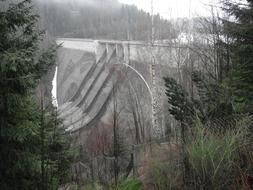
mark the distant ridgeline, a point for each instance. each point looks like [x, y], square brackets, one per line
[107, 19]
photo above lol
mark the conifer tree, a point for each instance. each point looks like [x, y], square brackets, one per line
[239, 29]
[22, 64]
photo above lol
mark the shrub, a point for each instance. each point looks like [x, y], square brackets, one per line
[166, 176]
[130, 184]
[215, 159]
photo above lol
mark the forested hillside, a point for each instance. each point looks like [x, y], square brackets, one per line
[98, 19]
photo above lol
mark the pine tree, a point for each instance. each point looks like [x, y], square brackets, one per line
[180, 105]
[22, 64]
[239, 30]
[56, 155]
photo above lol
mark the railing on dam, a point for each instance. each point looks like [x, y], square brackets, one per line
[114, 42]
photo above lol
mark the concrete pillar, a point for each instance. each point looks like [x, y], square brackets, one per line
[99, 49]
[110, 48]
[119, 52]
[126, 52]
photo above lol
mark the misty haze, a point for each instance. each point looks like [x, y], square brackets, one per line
[126, 94]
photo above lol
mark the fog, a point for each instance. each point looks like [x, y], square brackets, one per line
[175, 8]
[77, 3]
[166, 8]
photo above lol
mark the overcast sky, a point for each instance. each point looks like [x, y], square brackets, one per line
[175, 8]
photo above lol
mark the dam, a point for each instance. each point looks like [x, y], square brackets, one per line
[90, 73]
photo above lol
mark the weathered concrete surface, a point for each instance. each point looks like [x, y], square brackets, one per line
[73, 64]
[84, 85]
[88, 70]
[133, 50]
[78, 44]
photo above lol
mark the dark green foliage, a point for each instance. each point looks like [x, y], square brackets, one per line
[212, 102]
[19, 116]
[240, 33]
[130, 184]
[215, 100]
[57, 154]
[19, 145]
[217, 146]
[181, 107]
[219, 143]
[22, 64]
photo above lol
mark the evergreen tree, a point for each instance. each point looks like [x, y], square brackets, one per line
[22, 64]
[180, 105]
[56, 155]
[239, 29]
[214, 99]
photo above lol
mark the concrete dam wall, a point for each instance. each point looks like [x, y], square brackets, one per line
[89, 71]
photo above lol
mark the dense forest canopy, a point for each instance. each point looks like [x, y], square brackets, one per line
[101, 19]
